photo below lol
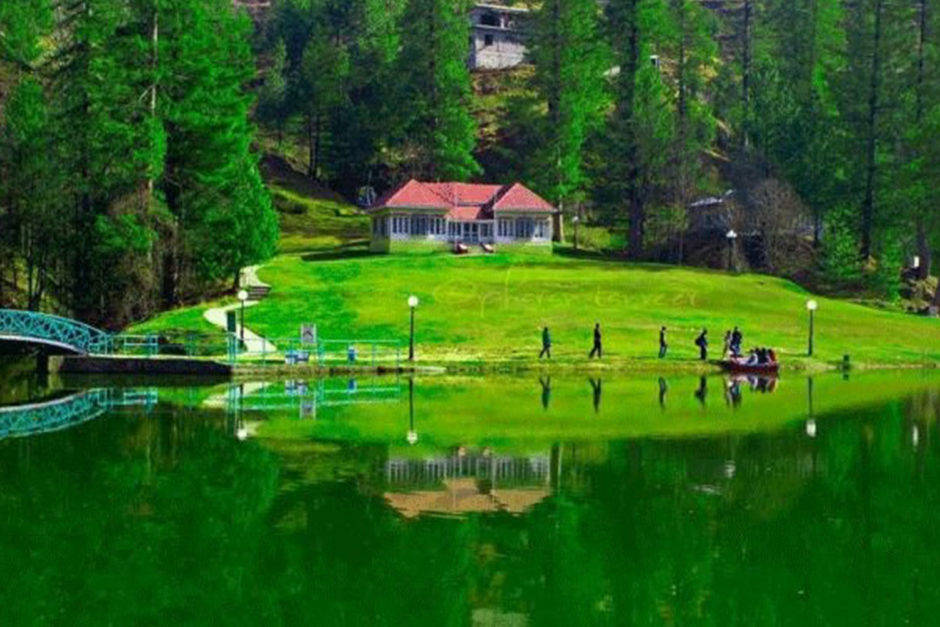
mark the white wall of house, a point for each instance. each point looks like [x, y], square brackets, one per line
[507, 229]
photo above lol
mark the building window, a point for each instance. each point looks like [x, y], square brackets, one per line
[541, 229]
[400, 225]
[489, 19]
[419, 225]
[524, 228]
[504, 228]
[487, 40]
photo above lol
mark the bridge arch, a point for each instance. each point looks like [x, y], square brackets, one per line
[52, 333]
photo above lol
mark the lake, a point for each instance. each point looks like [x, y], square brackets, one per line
[536, 500]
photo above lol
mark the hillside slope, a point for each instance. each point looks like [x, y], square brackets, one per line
[490, 309]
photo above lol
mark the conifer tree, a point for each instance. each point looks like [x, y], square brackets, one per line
[570, 62]
[439, 133]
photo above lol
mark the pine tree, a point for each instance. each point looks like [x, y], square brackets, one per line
[439, 133]
[641, 128]
[211, 175]
[570, 61]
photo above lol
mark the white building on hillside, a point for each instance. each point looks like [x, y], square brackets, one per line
[497, 36]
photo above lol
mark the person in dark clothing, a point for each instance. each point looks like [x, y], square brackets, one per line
[736, 339]
[596, 350]
[663, 346]
[702, 342]
[546, 344]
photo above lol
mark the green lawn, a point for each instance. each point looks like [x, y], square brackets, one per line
[490, 309]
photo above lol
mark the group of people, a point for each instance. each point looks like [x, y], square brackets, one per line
[732, 346]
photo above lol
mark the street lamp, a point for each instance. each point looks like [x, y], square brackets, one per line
[811, 306]
[731, 236]
[576, 220]
[242, 296]
[412, 305]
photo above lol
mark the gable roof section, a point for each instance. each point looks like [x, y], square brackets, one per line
[413, 194]
[453, 196]
[520, 198]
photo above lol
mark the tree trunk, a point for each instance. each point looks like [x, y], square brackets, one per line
[311, 173]
[318, 131]
[868, 203]
[637, 212]
[923, 251]
[746, 68]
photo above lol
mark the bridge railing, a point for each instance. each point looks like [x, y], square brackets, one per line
[56, 330]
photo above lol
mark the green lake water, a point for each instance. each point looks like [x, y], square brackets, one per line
[472, 501]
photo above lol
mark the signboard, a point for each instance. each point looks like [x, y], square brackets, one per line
[308, 334]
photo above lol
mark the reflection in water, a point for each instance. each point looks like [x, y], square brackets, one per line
[465, 481]
[725, 528]
[702, 390]
[596, 392]
[663, 388]
[546, 383]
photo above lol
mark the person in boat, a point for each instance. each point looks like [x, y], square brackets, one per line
[546, 344]
[751, 358]
[771, 356]
[596, 350]
[702, 342]
[726, 350]
[736, 339]
[663, 346]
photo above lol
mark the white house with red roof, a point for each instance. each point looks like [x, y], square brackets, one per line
[448, 214]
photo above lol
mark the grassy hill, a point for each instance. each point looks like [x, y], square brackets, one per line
[311, 217]
[490, 309]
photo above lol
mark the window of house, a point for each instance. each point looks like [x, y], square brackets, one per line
[541, 229]
[524, 228]
[487, 40]
[504, 228]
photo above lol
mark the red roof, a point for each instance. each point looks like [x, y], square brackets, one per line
[521, 198]
[464, 201]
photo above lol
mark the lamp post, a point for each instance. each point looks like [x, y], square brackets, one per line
[242, 297]
[811, 306]
[412, 305]
[731, 236]
[576, 220]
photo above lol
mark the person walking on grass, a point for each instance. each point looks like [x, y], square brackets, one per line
[702, 342]
[663, 346]
[546, 344]
[596, 350]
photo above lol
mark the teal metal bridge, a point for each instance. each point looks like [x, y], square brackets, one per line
[53, 333]
[61, 413]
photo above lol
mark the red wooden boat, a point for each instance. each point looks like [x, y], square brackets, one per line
[740, 365]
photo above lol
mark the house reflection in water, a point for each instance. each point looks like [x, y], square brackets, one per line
[465, 482]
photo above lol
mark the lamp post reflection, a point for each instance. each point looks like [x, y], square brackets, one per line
[412, 437]
[810, 419]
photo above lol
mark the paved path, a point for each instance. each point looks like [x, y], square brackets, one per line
[254, 343]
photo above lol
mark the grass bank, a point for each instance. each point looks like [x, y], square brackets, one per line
[489, 310]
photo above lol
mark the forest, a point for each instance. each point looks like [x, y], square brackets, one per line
[131, 132]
